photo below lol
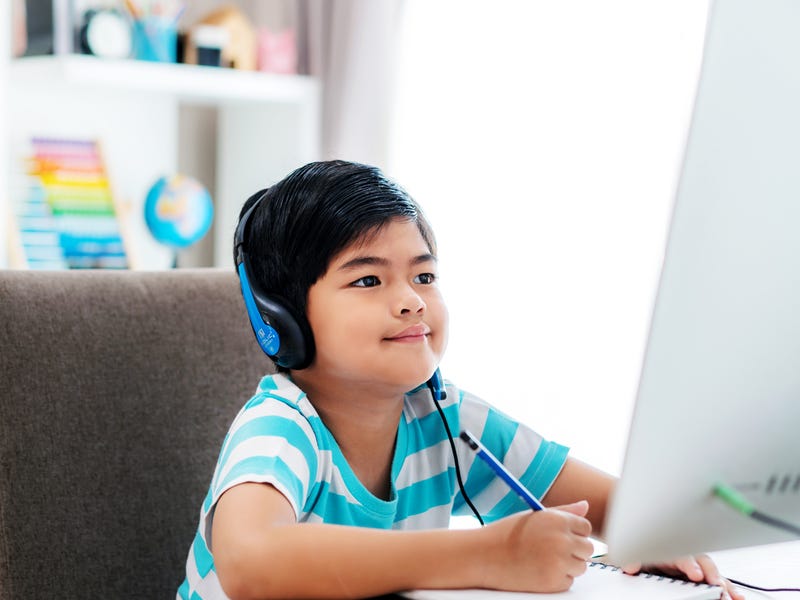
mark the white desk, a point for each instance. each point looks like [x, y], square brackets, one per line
[774, 565]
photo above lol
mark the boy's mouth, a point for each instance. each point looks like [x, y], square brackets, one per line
[415, 333]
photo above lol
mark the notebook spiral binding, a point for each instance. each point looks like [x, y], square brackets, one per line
[656, 576]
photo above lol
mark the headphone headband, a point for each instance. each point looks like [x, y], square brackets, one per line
[241, 229]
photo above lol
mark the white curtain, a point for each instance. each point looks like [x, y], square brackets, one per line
[351, 46]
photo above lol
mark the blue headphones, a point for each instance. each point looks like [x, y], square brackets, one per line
[284, 337]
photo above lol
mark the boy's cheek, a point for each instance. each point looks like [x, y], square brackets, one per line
[442, 327]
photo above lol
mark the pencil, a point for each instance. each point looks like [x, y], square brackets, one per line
[135, 11]
[501, 471]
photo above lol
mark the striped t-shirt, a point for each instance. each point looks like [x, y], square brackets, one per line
[279, 438]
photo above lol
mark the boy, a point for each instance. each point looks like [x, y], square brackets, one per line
[335, 480]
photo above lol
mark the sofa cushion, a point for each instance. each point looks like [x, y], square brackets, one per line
[116, 390]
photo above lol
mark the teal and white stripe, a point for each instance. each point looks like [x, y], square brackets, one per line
[279, 438]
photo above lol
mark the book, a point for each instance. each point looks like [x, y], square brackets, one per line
[600, 581]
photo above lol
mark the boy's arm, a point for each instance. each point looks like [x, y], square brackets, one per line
[579, 481]
[261, 552]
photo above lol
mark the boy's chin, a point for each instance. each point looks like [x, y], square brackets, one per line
[417, 379]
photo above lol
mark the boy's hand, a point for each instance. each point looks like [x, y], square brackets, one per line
[694, 568]
[538, 551]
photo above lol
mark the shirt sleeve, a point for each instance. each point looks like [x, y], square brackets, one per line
[269, 442]
[535, 461]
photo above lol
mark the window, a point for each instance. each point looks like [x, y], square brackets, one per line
[544, 141]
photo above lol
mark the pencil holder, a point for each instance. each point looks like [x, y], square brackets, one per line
[155, 39]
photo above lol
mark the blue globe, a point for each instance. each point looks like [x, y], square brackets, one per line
[178, 211]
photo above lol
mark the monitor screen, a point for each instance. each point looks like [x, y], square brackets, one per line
[719, 394]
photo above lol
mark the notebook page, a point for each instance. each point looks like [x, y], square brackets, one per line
[599, 582]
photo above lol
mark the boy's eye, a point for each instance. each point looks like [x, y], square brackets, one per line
[425, 278]
[368, 281]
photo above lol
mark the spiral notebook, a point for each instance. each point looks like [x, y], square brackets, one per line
[600, 581]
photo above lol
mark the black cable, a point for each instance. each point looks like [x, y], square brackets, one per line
[455, 459]
[739, 503]
[761, 589]
[775, 522]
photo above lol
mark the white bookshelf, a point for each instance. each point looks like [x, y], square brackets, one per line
[185, 82]
[242, 130]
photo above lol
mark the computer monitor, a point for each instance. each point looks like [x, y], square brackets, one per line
[719, 394]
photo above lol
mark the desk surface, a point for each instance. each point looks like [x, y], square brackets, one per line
[773, 565]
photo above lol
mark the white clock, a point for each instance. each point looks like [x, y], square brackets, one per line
[108, 34]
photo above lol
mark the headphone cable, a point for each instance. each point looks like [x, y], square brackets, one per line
[455, 460]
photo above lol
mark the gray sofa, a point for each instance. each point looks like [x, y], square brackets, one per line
[116, 389]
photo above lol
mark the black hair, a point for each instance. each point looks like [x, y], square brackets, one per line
[303, 221]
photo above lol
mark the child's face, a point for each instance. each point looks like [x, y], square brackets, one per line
[377, 314]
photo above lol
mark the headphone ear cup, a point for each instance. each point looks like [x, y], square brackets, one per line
[296, 347]
[283, 336]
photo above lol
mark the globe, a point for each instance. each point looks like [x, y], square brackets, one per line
[178, 211]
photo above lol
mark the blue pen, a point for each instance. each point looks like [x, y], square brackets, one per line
[501, 471]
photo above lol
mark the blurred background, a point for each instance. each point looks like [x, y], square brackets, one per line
[543, 139]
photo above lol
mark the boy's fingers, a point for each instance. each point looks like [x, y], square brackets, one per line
[577, 567]
[709, 569]
[584, 551]
[689, 566]
[700, 568]
[581, 526]
[734, 592]
[576, 508]
[714, 577]
[632, 569]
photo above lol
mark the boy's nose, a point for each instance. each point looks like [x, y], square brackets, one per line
[411, 303]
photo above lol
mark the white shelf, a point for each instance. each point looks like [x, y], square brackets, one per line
[185, 82]
[145, 116]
